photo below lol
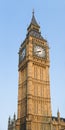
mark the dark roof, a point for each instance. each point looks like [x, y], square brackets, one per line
[33, 20]
[35, 29]
[56, 119]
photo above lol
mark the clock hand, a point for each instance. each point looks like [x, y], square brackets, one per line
[38, 51]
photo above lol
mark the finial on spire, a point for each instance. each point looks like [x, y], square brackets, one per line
[58, 114]
[9, 120]
[14, 116]
[33, 12]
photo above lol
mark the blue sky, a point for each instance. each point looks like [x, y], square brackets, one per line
[15, 16]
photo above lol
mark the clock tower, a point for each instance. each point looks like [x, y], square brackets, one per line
[34, 103]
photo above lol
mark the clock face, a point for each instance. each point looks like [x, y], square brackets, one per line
[22, 54]
[39, 51]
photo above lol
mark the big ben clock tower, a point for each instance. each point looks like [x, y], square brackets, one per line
[34, 103]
